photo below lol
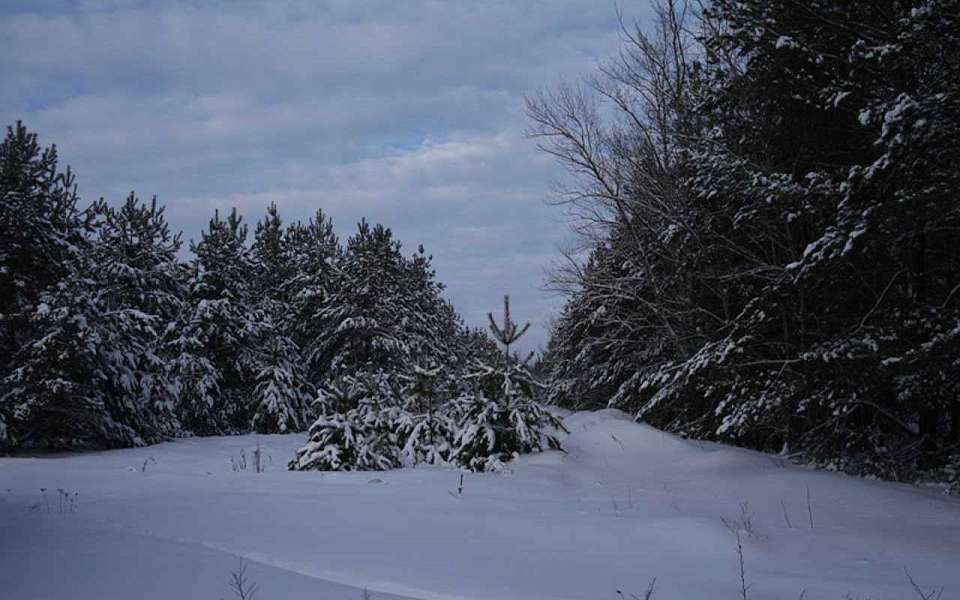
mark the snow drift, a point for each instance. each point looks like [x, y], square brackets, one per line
[623, 505]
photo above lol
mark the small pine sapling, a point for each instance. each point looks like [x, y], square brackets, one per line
[501, 419]
[424, 427]
[360, 438]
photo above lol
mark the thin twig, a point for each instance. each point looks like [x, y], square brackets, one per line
[240, 585]
[743, 574]
[933, 594]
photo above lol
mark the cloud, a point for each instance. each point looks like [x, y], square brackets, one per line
[408, 113]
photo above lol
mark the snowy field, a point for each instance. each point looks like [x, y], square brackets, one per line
[626, 504]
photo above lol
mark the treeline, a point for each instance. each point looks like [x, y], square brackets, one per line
[767, 193]
[110, 340]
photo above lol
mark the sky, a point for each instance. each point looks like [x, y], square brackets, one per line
[408, 113]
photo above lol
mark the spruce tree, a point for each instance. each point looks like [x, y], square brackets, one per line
[363, 328]
[824, 158]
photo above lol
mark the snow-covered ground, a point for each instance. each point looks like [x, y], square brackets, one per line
[626, 504]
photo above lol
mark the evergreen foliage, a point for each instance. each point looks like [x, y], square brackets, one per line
[426, 425]
[381, 316]
[110, 340]
[314, 255]
[75, 385]
[135, 257]
[215, 337]
[773, 259]
[93, 374]
[40, 231]
[273, 263]
[384, 308]
[282, 392]
[354, 431]
[501, 419]
[424, 412]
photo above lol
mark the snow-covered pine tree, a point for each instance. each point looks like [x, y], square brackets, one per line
[355, 429]
[91, 375]
[762, 212]
[215, 336]
[75, 382]
[426, 425]
[314, 252]
[383, 313]
[40, 230]
[136, 265]
[362, 324]
[608, 328]
[501, 419]
[833, 268]
[383, 309]
[281, 395]
[272, 259]
[475, 343]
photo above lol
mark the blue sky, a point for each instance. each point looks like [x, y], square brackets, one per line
[406, 113]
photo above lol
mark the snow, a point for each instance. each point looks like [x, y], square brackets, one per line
[625, 503]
